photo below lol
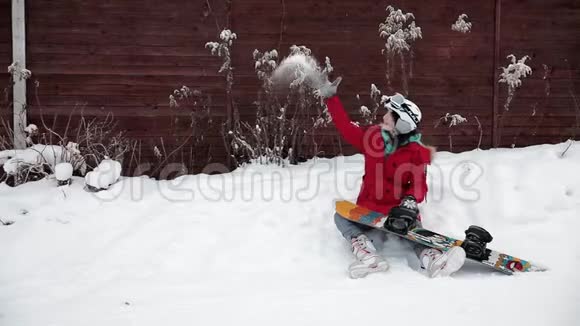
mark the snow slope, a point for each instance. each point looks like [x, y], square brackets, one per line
[258, 246]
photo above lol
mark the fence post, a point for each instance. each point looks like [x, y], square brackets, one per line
[19, 57]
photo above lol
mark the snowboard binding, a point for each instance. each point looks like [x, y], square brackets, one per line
[400, 225]
[476, 240]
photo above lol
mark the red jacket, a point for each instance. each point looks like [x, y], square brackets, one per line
[387, 178]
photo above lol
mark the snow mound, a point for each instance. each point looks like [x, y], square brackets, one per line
[261, 244]
[63, 171]
[104, 175]
[34, 155]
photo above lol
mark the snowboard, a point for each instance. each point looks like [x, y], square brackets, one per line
[499, 261]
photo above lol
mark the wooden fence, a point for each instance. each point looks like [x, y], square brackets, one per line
[127, 57]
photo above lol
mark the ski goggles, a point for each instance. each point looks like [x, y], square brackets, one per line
[397, 103]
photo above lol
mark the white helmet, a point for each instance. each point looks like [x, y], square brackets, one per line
[409, 113]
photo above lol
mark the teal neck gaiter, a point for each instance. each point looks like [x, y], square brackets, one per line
[391, 146]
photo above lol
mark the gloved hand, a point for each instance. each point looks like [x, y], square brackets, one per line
[403, 217]
[328, 89]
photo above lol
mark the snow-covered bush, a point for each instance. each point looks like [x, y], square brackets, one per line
[400, 31]
[450, 120]
[191, 121]
[223, 49]
[512, 76]
[461, 25]
[31, 130]
[369, 115]
[288, 114]
[17, 72]
[38, 161]
[83, 143]
[285, 123]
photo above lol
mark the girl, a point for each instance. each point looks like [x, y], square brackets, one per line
[395, 180]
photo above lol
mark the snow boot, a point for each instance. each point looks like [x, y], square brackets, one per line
[368, 261]
[437, 263]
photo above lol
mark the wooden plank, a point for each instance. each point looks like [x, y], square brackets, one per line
[185, 50]
[205, 60]
[208, 73]
[96, 38]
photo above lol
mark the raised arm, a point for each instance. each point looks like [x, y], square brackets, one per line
[349, 131]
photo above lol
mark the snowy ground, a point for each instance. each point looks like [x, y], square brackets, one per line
[259, 247]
